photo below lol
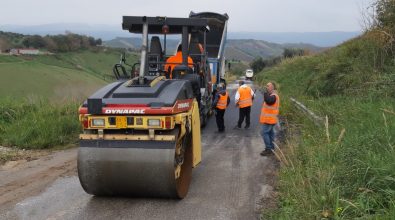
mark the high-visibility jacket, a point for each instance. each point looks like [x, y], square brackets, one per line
[222, 101]
[269, 113]
[175, 60]
[245, 99]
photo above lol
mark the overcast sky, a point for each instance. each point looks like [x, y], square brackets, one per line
[245, 15]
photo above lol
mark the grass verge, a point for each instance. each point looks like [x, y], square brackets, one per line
[37, 125]
[346, 171]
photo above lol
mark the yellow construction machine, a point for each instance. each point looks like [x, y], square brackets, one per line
[141, 134]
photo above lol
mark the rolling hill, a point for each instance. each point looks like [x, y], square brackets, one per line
[134, 43]
[73, 75]
[321, 39]
[244, 50]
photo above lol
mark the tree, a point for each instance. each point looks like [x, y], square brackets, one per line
[92, 41]
[50, 44]
[35, 41]
[257, 65]
[292, 52]
[98, 42]
[61, 43]
[74, 41]
[4, 44]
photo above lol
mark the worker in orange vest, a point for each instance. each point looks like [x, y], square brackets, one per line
[175, 60]
[243, 99]
[269, 117]
[221, 101]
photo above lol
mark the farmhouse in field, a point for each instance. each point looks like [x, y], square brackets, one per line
[25, 51]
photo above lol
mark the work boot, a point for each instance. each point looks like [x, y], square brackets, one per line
[267, 152]
[247, 127]
[237, 127]
[221, 131]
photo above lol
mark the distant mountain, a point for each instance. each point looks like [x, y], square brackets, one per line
[322, 39]
[135, 43]
[124, 42]
[108, 32]
[245, 50]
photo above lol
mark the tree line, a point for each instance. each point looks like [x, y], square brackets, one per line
[258, 64]
[53, 43]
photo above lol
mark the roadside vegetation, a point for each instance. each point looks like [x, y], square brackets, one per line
[347, 170]
[40, 96]
[38, 124]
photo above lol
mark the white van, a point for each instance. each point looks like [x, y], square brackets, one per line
[249, 74]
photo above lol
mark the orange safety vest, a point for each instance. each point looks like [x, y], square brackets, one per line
[269, 113]
[174, 61]
[245, 99]
[222, 101]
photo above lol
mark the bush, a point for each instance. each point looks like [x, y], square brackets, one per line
[293, 52]
[385, 14]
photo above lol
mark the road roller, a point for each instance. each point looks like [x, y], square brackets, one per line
[141, 134]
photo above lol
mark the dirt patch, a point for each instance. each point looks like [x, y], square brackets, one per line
[11, 164]
[23, 178]
[269, 200]
[12, 154]
[269, 197]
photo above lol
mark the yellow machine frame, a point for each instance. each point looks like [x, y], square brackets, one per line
[183, 120]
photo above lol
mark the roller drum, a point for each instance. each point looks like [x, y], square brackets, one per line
[132, 168]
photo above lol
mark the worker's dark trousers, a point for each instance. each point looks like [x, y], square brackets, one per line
[244, 113]
[219, 117]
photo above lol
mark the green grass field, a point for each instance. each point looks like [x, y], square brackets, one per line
[40, 95]
[33, 79]
[67, 75]
[349, 172]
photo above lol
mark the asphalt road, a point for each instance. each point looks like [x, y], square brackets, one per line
[230, 183]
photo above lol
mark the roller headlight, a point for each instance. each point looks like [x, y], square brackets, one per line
[98, 122]
[154, 122]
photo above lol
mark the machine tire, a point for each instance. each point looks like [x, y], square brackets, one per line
[183, 182]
